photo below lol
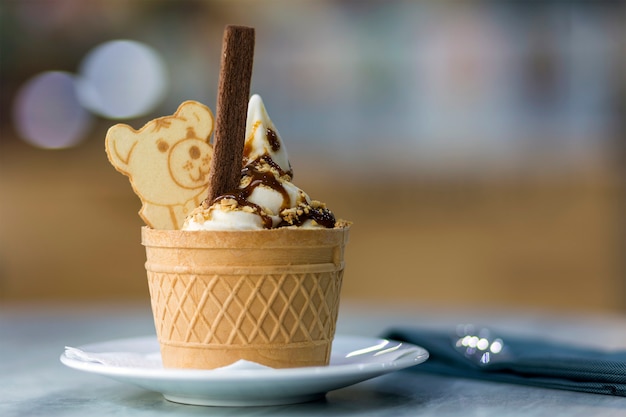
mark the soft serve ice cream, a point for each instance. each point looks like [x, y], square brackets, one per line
[265, 198]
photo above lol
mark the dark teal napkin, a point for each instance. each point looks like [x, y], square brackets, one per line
[518, 360]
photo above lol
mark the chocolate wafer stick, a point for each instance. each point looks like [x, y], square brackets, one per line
[231, 112]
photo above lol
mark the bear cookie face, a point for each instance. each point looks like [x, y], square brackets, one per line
[167, 162]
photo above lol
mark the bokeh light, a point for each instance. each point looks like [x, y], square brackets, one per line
[122, 79]
[47, 112]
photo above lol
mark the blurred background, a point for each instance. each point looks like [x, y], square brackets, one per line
[478, 146]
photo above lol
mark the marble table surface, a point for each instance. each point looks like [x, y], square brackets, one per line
[33, 382]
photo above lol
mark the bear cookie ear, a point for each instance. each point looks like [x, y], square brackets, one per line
[197, 116]
[120, 141]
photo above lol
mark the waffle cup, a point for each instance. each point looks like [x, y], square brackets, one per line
[266, 296]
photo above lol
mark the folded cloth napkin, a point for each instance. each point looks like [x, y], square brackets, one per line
[518, 360]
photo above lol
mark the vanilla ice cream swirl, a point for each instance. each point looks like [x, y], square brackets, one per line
[265, 198]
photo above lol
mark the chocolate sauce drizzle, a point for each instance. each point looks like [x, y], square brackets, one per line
[322, 216]
[259, 175]
[274, 142]
[241, 195]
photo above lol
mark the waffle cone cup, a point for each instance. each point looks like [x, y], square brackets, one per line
[266, 296]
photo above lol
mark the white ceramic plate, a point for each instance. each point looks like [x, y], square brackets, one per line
[353, 359]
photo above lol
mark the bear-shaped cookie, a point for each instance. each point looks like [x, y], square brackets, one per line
[167, 162]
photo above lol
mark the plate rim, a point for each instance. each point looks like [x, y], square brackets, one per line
[415, 355]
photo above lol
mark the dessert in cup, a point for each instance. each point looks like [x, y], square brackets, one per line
[251, 272]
